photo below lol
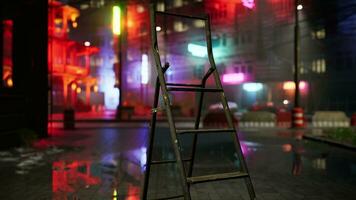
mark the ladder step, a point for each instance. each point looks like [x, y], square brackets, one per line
[216, 177]
[182, 84]
[171, 197]
[194, 131]
[158, 162]
[194, 89]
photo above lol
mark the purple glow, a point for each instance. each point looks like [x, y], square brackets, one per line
[248, 3]
[144, 69]
[107, 78]
[233, 78]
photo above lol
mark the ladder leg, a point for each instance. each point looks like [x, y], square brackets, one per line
[151, 141]
[236, 140]
[195, 137]
[176, 146]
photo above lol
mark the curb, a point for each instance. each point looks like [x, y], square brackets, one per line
[329, 141]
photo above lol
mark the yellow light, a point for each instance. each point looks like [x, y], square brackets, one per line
[129, 23]
[9, 82]
[96, 88]
[73, 17]
[78, 90]
[289, 85]
[73, 86]
[116, 20]
[75, 24]
[114, 195]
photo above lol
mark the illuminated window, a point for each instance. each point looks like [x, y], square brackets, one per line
[179, 26]
[84, 6]
[199, 23]
[7, 65]
[319, 66]
[178, 3]
[140, 9]
[160, 6]
[302, 70]
[319, 34]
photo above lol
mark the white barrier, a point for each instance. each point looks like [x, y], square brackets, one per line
[258, 119]
[330, 119]
[257, 124]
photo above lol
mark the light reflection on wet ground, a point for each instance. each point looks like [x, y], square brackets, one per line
[108, 163]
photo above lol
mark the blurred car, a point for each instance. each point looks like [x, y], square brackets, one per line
[218, 106]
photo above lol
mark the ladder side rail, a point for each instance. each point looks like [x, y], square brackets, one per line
[166, 99]
[151, 140]
[197, 121]
[151, 136]
[227, 110]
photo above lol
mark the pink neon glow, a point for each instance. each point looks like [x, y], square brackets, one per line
[233, 78]
[248, 3]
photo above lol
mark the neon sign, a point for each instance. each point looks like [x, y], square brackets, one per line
[233, 78]
[248, 3]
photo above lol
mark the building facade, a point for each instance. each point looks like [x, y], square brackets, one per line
[23, 69]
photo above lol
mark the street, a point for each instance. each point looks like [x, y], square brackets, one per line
[107, 162]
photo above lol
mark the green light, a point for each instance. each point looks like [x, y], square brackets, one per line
[116, 20]
[197, 50]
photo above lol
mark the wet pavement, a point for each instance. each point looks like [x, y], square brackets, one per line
[107, 162]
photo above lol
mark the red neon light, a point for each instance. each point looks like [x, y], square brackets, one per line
[7, 53]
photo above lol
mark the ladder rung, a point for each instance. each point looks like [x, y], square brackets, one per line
[194, 89]
[182, 84]
[205, 131]
[171, 197]
[216, 177]
[157, 162]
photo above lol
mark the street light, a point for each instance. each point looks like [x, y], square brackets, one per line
[299, 7]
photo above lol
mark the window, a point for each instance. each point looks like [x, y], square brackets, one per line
[319, 34]
[178, 3]
[319, 66]
[160, 6]
[199, 23]
[140, 9]
[179, 26]
[7, 65]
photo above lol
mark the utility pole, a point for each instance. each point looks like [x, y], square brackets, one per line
[297, 8]
[298, 113]
[119, 15]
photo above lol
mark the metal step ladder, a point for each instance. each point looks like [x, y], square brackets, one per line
[186, 178]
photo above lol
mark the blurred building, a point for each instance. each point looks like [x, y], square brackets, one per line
[72, 82]
[253, 42]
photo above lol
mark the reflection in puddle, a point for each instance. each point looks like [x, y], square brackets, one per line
[115, 176]
[248, 147]
[319, 163]
[68, 177]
